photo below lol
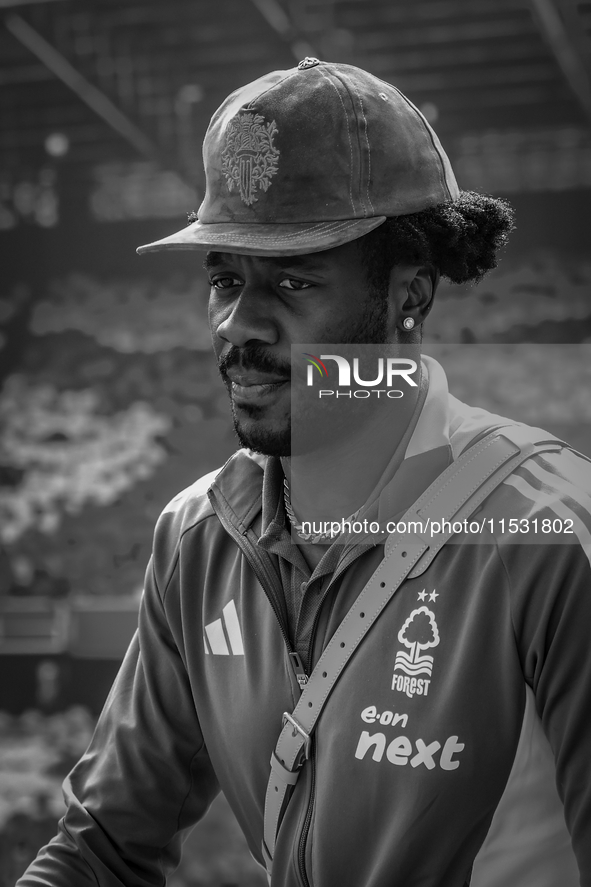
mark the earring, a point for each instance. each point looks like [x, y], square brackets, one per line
[408, 323]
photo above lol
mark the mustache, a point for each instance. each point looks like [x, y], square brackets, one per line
[254, 358]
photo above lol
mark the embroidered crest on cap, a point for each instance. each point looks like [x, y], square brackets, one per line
[250, 159]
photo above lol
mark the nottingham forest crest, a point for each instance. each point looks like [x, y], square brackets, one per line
[250, 159]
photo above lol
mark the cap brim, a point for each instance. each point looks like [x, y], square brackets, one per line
[265, 240]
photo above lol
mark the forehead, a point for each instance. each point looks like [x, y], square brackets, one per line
[327, 260]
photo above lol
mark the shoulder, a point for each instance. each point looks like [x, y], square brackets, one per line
[189, 506]
[546, 501]
[185, 512]
[193, 496]
[551, 475]
[559, 481]
[191, 510]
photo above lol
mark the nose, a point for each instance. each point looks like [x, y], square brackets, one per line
[246, 320]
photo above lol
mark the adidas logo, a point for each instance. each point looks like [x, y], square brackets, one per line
[223, 635]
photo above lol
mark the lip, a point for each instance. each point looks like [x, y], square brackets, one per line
[248, 378]
[251, 386]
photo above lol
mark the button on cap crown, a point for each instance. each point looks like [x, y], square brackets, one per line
[308, 62]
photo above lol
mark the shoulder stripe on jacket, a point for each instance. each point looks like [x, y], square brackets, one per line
[560, 508]
[555, 484]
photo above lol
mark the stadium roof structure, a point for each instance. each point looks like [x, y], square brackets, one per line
[104, 81]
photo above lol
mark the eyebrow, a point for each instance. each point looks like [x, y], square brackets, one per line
[214, 259]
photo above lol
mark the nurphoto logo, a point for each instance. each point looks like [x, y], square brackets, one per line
[388, 371]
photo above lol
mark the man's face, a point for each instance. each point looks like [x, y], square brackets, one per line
[260, 306]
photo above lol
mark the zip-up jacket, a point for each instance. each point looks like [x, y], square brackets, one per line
[456, 745]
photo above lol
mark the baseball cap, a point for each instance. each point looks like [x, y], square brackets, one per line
[310, 158]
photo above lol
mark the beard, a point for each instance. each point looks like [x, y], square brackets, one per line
[373, 329]
[255, 437]
[253, 432]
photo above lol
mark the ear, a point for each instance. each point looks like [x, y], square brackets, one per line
[411, 292]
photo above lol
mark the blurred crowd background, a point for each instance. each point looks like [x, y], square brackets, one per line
[110, 401]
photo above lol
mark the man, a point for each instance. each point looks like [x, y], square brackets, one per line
[454, 745]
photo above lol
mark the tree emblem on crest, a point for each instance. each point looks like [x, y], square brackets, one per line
[418, 633]
[250, 159]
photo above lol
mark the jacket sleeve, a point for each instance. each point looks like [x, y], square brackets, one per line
[551, 592]
[145, 777]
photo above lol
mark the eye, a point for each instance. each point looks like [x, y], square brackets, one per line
[289, 283]
[225, 282]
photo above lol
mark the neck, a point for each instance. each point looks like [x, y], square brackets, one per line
[333, 481]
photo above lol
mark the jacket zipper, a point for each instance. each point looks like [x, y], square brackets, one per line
[308, 818]
[260, 570]
[306, 825]
[298, 667]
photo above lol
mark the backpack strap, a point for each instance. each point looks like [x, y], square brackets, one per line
[454, 495]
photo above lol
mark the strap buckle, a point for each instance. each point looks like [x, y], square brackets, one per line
[297, 728]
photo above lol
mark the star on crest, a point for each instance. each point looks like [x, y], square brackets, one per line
[433, 595]
[423, 594]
